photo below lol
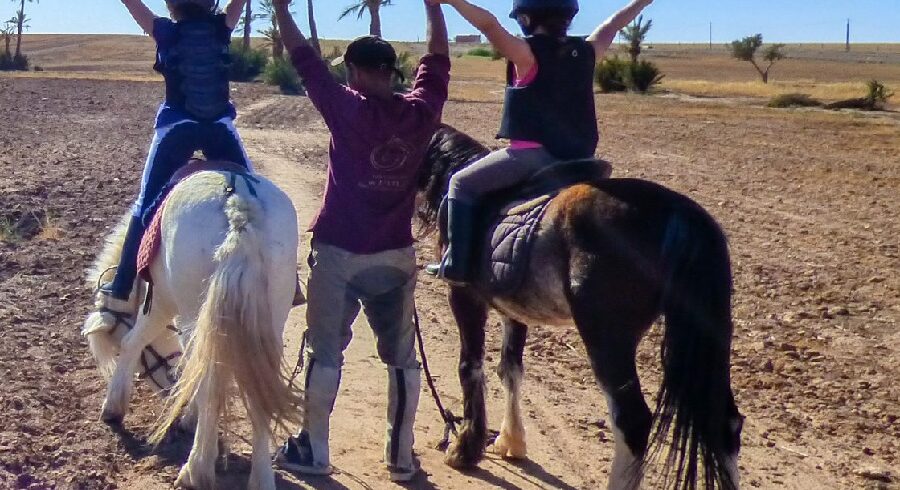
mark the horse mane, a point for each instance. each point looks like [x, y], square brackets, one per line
[450, 150]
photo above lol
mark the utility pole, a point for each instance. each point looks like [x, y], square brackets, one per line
[710, 36]
[847, 47]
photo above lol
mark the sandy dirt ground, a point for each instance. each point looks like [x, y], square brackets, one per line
[809, 201]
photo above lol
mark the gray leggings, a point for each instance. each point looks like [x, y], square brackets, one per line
[500, 170]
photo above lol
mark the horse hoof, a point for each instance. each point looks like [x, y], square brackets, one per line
[112, 417]
[509, 448]
[457, 457]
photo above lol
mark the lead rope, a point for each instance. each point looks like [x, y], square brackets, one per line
[298, 368]
[450, 420]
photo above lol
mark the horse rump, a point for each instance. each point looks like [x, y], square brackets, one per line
[235, 337]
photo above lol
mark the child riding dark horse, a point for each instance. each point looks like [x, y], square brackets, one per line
[197, 114]
[609, 257]
[548, 115]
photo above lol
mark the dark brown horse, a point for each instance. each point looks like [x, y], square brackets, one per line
[610, 258]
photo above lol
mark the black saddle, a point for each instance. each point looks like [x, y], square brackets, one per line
[511, 218]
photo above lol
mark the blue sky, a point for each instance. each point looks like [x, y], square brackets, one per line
[674, 20]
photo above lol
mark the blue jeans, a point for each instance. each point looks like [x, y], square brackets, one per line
[171, 148]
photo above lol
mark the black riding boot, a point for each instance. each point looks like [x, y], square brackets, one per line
[457, 265]
[126, 272]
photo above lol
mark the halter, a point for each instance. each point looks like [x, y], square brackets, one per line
[158, 360]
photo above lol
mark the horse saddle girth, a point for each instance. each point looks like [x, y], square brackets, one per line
[515, 217]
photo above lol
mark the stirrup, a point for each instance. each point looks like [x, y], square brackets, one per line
[110, 307]
[433, 269]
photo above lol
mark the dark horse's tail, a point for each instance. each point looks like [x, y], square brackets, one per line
[696, 416]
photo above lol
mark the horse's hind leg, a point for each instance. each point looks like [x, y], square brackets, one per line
[511, 441]
[118, 394]
[471, 316]
[611, 337]
[200, 470]
[262, 476]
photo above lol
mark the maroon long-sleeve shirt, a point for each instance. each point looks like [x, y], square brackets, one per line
[377, 149]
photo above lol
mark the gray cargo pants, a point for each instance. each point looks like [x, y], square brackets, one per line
[382, 283]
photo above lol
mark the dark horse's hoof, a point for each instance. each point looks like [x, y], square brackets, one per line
[466, 452]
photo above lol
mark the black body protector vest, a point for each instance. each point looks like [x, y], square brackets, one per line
[557, 108]
[196, 69]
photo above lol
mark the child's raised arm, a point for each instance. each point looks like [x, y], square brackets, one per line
[603, 37]
[512, 48]
[233, 12]
[142, 15]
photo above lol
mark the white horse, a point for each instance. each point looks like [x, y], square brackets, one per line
[224, 276]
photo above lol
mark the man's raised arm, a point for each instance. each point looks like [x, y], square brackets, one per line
[290, 33]
[436, 37]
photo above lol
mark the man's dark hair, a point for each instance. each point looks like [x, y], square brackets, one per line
[555, 21]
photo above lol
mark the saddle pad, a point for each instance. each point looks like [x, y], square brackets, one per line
[152, 238]
[506, 255]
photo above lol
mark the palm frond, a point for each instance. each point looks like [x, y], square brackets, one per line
[356, 8]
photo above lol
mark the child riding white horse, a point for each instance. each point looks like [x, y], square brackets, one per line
[224, 276]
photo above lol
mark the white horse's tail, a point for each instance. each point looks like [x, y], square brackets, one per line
[235, 337]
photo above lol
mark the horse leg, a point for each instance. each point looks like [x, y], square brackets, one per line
[118, 394]
[262, 476]
[511, 441]
[471, 316]
[200, 470]
[612, 357]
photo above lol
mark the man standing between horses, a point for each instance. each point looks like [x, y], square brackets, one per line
[362, 252]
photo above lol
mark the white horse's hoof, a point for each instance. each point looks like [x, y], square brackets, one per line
[508, 447]
[111, 415]
[186, 479]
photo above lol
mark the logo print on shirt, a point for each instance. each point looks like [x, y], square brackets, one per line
[390, 156]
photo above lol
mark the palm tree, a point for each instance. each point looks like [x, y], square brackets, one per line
[6, 33]
[373, 7]
[635, 35]
[247, 20]
[271, 33]
[313, 30]
[20, 25]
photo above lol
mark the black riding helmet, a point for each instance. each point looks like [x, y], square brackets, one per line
[554, 15]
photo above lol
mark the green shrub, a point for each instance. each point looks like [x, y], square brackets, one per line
[246, 64]
[482, 52]
[878, 94]
[611, 75]
[642, 76]
[8, 62]
[408, 66]
[280, 73]
[793, 100]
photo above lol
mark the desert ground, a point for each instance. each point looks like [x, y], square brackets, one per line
[808, 199]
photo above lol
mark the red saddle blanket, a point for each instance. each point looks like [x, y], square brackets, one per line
[152, 235]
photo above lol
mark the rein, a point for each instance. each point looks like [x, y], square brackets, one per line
[450, 421]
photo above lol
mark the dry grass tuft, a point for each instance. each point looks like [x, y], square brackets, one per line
[49, 229]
